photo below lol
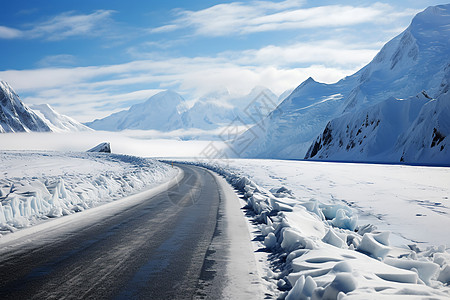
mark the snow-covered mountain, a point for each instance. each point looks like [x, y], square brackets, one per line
[56, 121]
[167, 111]
[414, 61]
[427, 140]
[392, 130]
[163, 111]
[15, 116]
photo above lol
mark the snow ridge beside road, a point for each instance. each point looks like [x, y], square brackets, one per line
[317, 251]
[35, 186]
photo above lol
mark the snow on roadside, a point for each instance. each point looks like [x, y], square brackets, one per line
[35, 186]
[318, 251]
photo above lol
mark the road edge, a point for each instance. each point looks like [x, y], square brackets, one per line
[51, 226]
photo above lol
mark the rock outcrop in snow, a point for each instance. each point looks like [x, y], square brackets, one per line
[414, 61]
[15, 116]
[56, 121]
[102, 147]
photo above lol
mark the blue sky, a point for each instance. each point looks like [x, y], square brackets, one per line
[91, 58]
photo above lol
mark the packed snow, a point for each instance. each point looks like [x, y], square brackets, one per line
[348, 231]
[35, 186]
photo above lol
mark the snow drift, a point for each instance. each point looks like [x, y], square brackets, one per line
[318, 251]
[38, 186]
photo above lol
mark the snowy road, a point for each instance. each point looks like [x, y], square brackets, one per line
[154, 249]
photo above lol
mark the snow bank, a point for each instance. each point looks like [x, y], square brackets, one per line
[319, 252]
[38, 186]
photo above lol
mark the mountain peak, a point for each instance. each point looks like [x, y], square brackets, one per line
[161, 111]
[56, 121]
[15, 116]
[433, 14]
[309, 80]
[415, 60]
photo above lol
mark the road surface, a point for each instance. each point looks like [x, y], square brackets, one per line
[158, 248]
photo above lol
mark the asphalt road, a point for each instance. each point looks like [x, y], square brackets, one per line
[155, 249]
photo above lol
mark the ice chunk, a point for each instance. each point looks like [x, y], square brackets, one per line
[426, 270]
[309, 287]
[343, 220]
[293, 240]
[270, 241]
[333, 239]
[296, 291]
[444, 275]
[343, 282]
[330, 210]
[382, 237]
[313, 206]
[371, 246]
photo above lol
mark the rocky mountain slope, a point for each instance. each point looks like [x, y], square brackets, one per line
[416, 60]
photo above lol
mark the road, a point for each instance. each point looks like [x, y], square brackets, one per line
[158, 248]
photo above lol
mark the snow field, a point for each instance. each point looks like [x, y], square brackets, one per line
[37, 186]
[319, 251]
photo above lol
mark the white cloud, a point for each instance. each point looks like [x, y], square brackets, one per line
[260, 16]
[328, 52]
[165, 28]
[86, 93]
[88, 104]
[65, 25]
[57, 60]
[9, 33]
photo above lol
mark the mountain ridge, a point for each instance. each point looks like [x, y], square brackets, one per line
[167, 111]
[413, 61]
[15, 116]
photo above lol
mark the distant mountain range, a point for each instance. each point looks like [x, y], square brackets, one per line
[395, 109]
[15, 116]
[167, 111]
[361, 117]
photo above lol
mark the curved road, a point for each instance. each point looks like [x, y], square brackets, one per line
[154, 249]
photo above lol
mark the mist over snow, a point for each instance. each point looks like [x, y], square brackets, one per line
[139, 143]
